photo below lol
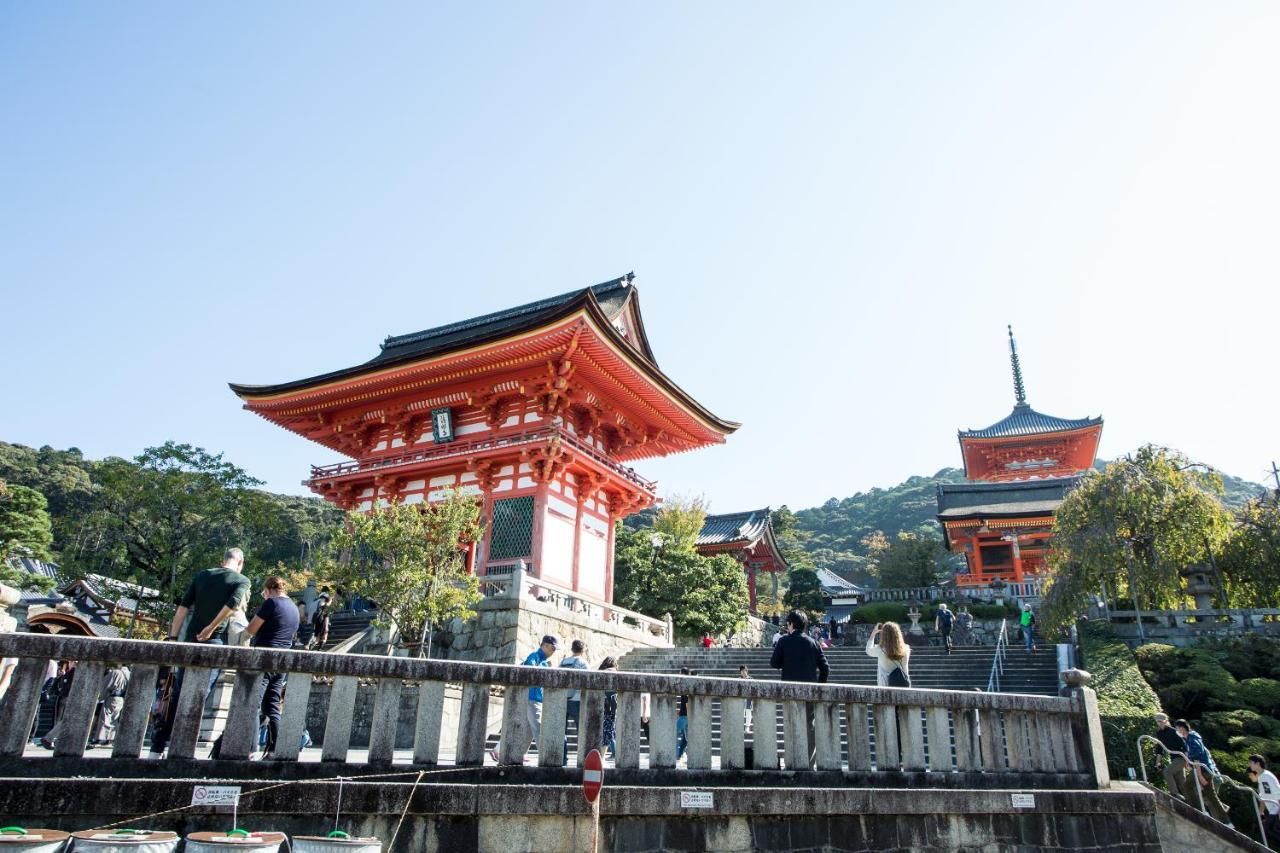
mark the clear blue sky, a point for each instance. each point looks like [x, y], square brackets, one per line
[832, 211]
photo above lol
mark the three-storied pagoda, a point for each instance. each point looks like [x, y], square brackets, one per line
[1019, 470]
[536, 410]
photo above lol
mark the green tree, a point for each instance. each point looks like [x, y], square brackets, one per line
[680, 520]
[702, 594]
[1130, 529]
[411, 560]
[804, 591]
[907, 560]
[170, 512]
[1250, 558]
[25, 528]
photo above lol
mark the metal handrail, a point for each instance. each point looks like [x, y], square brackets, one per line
[1221, 777]
[997, 660]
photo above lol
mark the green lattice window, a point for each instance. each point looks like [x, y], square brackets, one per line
[512, 530]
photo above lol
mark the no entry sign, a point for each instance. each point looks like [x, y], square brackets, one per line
[592, 775]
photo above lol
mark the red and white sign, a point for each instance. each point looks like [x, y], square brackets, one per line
[592, 775]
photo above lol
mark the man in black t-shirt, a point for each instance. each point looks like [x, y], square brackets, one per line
[1173, 762]
[210, 599]
[273, 627]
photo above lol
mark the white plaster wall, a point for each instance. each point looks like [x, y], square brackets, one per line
[557, 549]
[593, 555]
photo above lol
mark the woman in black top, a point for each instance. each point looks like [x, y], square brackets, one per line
[273, 627]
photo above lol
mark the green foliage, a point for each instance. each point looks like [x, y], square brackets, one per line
[679, 521]
[25, 528]
[1224, 685]
[1250, 558]
[62, 476]
[879, 611]
[1132, 528]
[1126, 702]
[907, 560]
[804, 592]
[702, 594]
[411, 560]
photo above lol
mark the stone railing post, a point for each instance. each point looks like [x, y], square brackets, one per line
[670, 636]
[8, 597]
[1086, 725]
[515, 587]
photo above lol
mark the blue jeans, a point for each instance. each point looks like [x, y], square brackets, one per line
[682, 736]
[1029, 636]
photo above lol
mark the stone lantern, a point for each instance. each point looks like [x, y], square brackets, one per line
[1200, 585]
[998, 588]
[914, 615]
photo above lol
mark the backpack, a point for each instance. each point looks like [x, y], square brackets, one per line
[944, 619]
[898, 678]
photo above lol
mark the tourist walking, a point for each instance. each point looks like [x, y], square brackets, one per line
[747, 709]
[682, 720]
[708, 641]
[942, 623]
[609, 731]
[110, 703]
[892, 654]
[210, 600]
[1028, 621]
[7, 666]
[274, 626]
[1269, 794]
[320, 624]
[541, 656]
[573, 709]
[60, 690]
[800, 657]
[1173, 761]
[1203, 771]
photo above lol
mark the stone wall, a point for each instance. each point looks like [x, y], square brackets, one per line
[443, 816]
[318, 709]
[506, 630]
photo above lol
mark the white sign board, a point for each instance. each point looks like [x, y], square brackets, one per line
[1024, 801]
[215, 795]
[696, 800]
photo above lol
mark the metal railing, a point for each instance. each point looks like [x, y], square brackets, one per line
[471, 447]
[1194, 767]
[997, 659]
[1014, 741]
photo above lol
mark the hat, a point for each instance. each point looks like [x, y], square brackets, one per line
[1162, 718]
[551, 640]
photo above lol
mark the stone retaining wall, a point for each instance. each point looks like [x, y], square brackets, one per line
[556, 819]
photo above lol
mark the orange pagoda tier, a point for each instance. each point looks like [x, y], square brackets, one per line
[1019, 470]
[538, 411]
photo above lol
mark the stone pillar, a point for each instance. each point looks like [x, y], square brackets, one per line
[517, 580]
[8, 597]
[1086, 725]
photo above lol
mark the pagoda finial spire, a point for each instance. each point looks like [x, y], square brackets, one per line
[1019, 390]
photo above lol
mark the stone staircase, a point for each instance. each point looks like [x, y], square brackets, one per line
[931, 667]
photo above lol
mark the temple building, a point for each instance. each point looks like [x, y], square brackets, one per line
[538, 411]
[748, 538]
[1019, 470]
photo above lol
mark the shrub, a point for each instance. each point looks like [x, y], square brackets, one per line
[1260, 694]
[1188, 680]
[1219, 727]
[1126, 702]
[880, 611]
[1250, 656]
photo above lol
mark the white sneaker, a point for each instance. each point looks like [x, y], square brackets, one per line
[152, 756]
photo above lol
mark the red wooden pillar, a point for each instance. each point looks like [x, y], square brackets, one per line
[608, 561]
[1017, 560]
[751, 587]
[976, 567]
[577, 526]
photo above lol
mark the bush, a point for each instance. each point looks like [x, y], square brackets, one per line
[1188, 680]
[1219, 727]
[1261, 694]
[1250, 656]
[880, 611]
[1126, 703]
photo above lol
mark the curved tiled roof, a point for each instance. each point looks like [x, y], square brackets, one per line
[1001, 500]
[734, 527]
[1024, 420]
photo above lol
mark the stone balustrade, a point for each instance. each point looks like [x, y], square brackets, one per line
[867, 732]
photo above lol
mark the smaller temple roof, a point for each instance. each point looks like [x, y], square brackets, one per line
[1024, 420]
[834, 585]
[734, 527]
[1002, 500]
